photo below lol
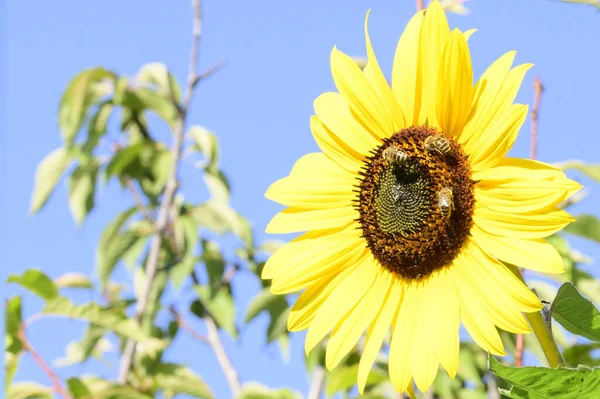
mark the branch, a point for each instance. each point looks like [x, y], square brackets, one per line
[420, 5]
[138, 200]
[183, 324]
[316, 384]
[171, 186]
[53, 377]
[215, 342]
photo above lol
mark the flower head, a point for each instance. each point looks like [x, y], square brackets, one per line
[412, 206]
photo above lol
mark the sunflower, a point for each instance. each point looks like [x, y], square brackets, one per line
[412, 207]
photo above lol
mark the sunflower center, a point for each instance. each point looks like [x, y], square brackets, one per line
[416, 201]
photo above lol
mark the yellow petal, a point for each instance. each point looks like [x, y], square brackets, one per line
[351, 290]
[402, 337]
[314, 163]
[334, 148]
[489, 147]
[317, 191]
[521, 197]
[455, 85]
[375, 76]
[301, 251]
[347, 332]
[306, 306]
[473, 314]
[535, 255]
[404, 70]
[486, 90]
[443, 321]
[377, 332]
[363, 100]
[333, 111]
[528, 226]
[292, 220]
[434, 35]
[469, 33]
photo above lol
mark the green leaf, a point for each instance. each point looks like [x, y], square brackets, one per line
[110, 318]
[270, 246]
[591, 171]
[581, 354]
[180, 272]
[264, 301]
[82, 187]
[178, 379]
[208, 144]
[587, 226]
[28, 390]
[97, 126]
[141, 99]
[113, 245]
[37, 282]
[220, 306]
[103, 389]
[214, 262]
[73, 280]
[218, 186]
[253, 390]
[541, 382]
[158, 77]
[217, 216]
[13, 315]
[77, 388]
[576, 313]
[123, 158]
[47, 177]
[83, 90]
[341, 379]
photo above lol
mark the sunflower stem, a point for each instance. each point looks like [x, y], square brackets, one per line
[544, 337]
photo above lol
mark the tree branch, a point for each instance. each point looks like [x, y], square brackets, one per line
[316, 384]
[38, 359]
[171, 186]
[138, 200]
[183, 324]
[215, 343]
[420, 5]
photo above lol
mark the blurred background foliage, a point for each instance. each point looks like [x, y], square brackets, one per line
[165, 240]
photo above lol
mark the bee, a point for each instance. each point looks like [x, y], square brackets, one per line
[393, 154]
[446, 201]
[438, 143]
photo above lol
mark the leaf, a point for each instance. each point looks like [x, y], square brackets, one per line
[587, 226]
[112, 319]
[81, 92]
[27, 390]
[264, 301]
[97, 126]
[141, 99]
[181, 380]
[37, 282]
[123, 158]
[244, 232]
[113, 245]
[103, 389]
[47, 176]
[208, 144]
[253, 390]
[13, 315]
[73, 280]
[270, 246]
[214, 262]
[541, 382]
[82, 186]
[216, 216]
[184, 268]
[341, 379]
[157, 75]
[581, 354]
[77, 388]
[218, 186]
[220, 306]
[591, 171]
[576, 313]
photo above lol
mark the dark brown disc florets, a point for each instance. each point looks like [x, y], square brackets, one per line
[416, 201]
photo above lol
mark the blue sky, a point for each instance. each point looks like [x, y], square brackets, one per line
[277, 63]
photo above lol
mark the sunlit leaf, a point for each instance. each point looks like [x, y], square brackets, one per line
[582, 354]
[113, 245]
[28, 390]
[455, 6]
[181, 380]
[77, 388]
[37, 282]
[123, 158]
[97, 126]
[270, 246]
[73, 280]
[587, 226]
[141, 99]
[182, 270]
[541, 382]
[214, 262]
[207, 143]
[264, 301]
[576, 313]
[218, 186]
[82, 187]
[12, 343]
[82, 91]
[253, 390]
[47, 176]
[343, 378]
[157, 75]
[220, 306]
[216, 216]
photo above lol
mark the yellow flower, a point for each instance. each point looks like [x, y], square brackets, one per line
[412, 205]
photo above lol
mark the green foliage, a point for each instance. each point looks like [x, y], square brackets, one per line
[47, 176]
[28, 390]
[587, 226]
[576, 313]
[541, 382]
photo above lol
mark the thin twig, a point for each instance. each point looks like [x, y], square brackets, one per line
[138, 200]
[217, 347]
[38, 359]
[211, 70]
[171, 186]
[316, 384]
[492, 387]
[420, 5]
[538, 89]
[183, 324]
